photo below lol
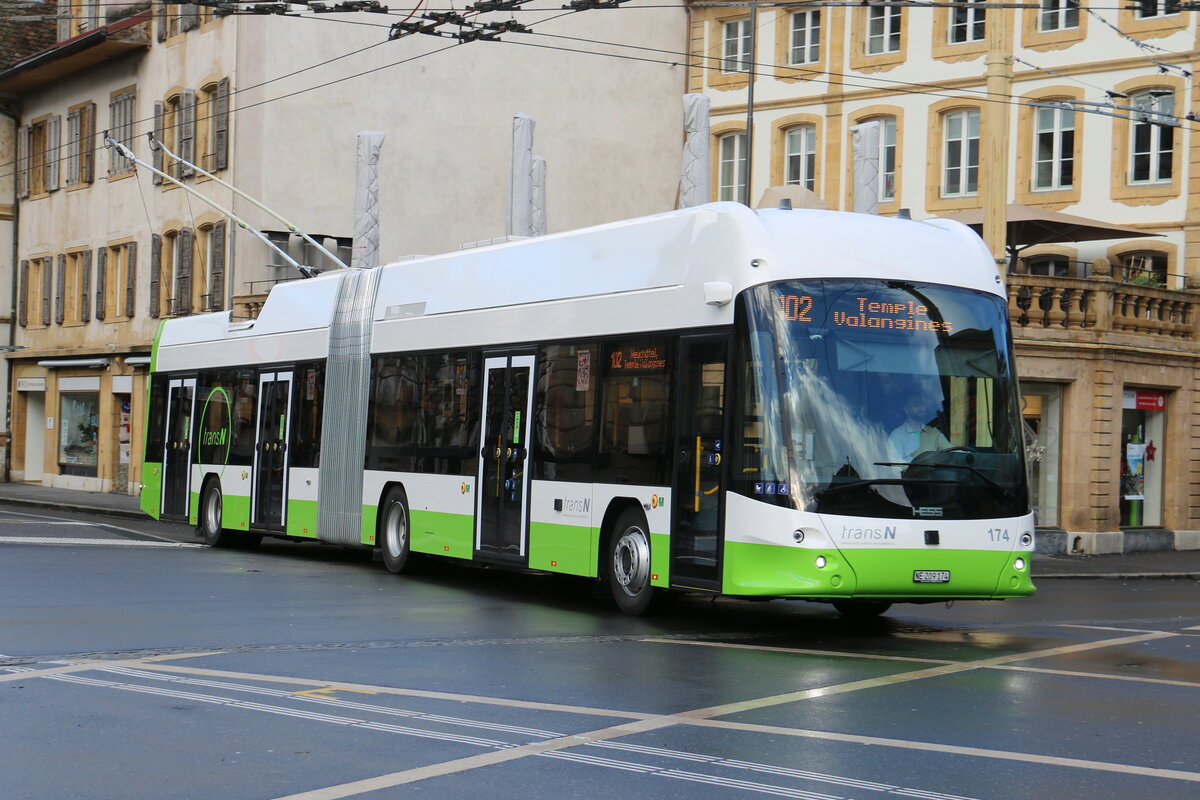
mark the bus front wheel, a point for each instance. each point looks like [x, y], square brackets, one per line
[394, 539]
[629, 564]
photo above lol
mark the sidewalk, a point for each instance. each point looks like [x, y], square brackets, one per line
[1127, 566]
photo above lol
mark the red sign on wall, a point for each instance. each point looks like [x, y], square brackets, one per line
[1150, 401]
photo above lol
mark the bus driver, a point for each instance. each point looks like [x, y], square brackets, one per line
[914, 435]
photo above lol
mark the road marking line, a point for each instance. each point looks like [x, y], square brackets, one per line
[64, 523]
[332, 689]
[85, 665]
[95, 542]
[59, 520]
[1100, 675]
[803, 651]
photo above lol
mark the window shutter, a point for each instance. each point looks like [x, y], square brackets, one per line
[187, 132]
[22, 294]
[85, 287]
[216, 273]
[53, 151]
[155, 268]
[101, 280]
[183, 271]
[87, 142]
[161, 35]
[23, 161]
[94, 16]
[130, 278]
[190, 17]
[58, 294]
[158, 137]
[64, 19]
[74, 143]
[47, 287]
[221, 126]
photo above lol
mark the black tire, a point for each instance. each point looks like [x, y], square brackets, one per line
[394, 532]
[861, 609]
[209, 517]
[629, 564]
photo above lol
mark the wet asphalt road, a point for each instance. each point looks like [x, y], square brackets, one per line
[138, 665]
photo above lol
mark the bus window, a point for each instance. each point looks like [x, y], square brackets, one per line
[215, 406]
[245, 410]
[157, 418]
[306, 428]
[566, 409]
[635, 438]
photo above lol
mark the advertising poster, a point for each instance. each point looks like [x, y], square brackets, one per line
[1135, 471]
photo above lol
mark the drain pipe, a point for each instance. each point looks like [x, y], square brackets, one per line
[12, 311]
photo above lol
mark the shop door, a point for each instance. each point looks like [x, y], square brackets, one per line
[177, 449]
[700, 431]
[504, 456]
[271, 450]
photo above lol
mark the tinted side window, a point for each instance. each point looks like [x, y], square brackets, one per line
[306, 427]
[567, 383]
[156, 419]
[245, 411]
[636, 425]
[215, 408]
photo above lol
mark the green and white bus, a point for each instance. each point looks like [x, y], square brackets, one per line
[754, 403]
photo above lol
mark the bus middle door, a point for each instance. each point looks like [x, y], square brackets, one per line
[271, 450]
[503, 477]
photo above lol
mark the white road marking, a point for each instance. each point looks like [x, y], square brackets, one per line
[93, 542]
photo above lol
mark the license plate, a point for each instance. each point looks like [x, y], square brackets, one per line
[931, 576]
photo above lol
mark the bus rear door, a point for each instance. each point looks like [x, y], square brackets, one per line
[271, 450]
[503, 477]
[177, 447]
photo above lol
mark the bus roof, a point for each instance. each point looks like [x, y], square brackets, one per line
[643, 274]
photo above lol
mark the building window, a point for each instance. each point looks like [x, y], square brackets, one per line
[800, 156]
[121, 120]
[38, 157]
[806, 37]
[960, 166]
[33, 298]
[74, 288]
[1153, 137]
[78, 433]
[212, 126]
[1051, 266]
[208, 271]
[1143, 428]
[1144, 268]
[736, 47]
[883, 30]
[1058, 15]
[967, 22]
[731, 170]
[1054, 149]
[887, 158]
[115, 275]
[81, 144]
[1147, 9]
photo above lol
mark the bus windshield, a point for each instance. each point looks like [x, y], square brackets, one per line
[879, 398]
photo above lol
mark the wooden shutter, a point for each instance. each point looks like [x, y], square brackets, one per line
[216, 277]
[23, 294]
[74, 144]
[58, 294]
[47, 287]
[64, 19]
[187, 132]
[101, 282]
[85, 287]
[221, 126]
[130, 278]
[161, 34]
[87, 142]
[53, 155]
[183, 271]
[23, 161]
[158, 137]
[190, 19]
[155, 269]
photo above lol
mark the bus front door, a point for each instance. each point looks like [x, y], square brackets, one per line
[700, 416]
[177, 450]
[271, 450]
[503, 477]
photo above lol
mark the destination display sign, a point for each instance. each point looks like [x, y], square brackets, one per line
[864, 312]
[648, 358]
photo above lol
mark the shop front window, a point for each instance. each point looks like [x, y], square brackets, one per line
[78, 433]
[1041, 412]
[1142, 425]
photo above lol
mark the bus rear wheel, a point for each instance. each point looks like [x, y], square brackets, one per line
[629, 564]
[394, 532]
[861, 609]
[210, 515]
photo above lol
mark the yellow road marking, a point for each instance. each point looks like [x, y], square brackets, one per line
[327, 690]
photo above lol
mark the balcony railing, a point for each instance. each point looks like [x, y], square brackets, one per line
[1101, 305]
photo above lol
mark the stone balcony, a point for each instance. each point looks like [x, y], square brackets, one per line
[1079, 309]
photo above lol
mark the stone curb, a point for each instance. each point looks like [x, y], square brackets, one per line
[107, 512]
[1118, 576]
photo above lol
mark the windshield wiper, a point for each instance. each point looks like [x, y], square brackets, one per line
[845, 487]
[1004, 491]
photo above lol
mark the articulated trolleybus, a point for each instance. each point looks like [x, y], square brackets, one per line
[769, 404]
